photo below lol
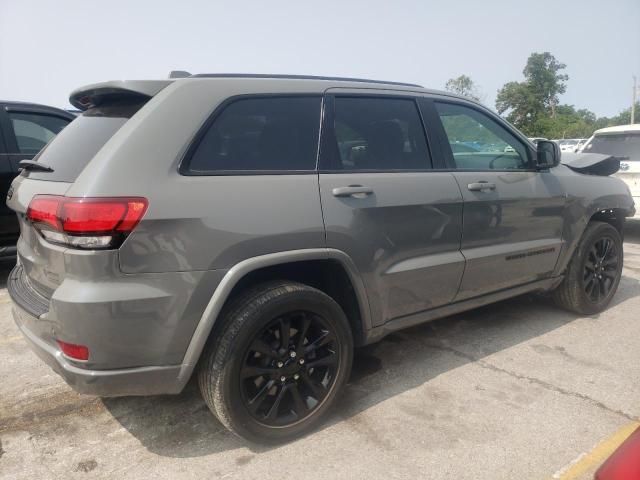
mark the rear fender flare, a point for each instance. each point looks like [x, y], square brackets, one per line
[238, 271]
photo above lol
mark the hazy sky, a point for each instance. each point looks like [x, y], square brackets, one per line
[50, 47]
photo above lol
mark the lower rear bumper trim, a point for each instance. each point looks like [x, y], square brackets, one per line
[152, 380]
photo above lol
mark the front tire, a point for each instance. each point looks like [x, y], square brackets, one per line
[276, 366]
[594, 272]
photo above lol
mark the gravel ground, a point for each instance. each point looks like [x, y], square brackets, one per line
[517, 390]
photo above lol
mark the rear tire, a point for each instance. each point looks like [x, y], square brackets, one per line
[276, 365]
[594, 272]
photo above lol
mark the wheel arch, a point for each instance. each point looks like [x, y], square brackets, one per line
[253, 270]
[614, 215]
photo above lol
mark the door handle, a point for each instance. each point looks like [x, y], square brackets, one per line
[357, 191]
[481, 186]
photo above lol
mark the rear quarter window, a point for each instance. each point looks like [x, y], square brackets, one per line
[265, 134]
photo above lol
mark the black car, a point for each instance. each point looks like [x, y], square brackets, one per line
[24, 129]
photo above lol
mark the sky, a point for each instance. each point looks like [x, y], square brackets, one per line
[48, 48]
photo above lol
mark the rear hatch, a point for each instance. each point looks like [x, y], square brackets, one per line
[107, 107]
[626, 146]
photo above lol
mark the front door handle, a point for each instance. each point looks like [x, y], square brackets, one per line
[481, 186]
[357, 191]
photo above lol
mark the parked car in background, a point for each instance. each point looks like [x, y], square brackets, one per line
[25, 128]
[458, 147]
[622, 141]
[568, 144]
[580, 145]
[280, 223]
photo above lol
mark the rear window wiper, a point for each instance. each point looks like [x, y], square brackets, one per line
[34, 165]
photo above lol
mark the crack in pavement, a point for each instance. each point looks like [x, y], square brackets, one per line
[537, 381]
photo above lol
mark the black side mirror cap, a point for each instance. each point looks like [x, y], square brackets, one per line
[547, 154]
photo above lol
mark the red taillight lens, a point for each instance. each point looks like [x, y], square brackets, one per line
[76, 352]
[91, 216]
[44, 209]
[75, 220]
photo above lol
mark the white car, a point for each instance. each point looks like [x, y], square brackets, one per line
[568, 144]
[580, 146]
[622, 141]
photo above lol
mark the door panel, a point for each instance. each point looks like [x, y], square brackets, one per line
[399, 221]
[512, 216]
[404, 237]
[511, 235]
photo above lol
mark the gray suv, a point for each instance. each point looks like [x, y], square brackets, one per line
[252, 230]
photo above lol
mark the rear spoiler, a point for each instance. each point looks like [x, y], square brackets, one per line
[100, 93]
[592, 163]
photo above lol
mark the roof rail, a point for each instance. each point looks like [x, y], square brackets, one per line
[300, 77]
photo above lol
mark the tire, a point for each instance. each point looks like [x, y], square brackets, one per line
[577, 292]
[247, 371]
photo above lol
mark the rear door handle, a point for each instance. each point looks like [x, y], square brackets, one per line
[357, 191]
[481, 186]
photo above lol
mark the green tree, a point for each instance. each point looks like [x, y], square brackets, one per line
[542, 74]
[463, 85]
[535, 98]
[522, 108]
[587, 115]
[624, 117]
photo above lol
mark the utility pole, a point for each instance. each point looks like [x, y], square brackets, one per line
[633, 101]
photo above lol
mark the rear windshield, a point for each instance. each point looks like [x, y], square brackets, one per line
[620, 145]
[69, 152]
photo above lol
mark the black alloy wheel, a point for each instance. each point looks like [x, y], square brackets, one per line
[289, 368]
[594, 272]
[600, 269]
[276, 364]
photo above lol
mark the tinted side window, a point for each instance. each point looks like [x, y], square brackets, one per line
[379, 134]
[480, 143]
[261, 134]
[33, 131]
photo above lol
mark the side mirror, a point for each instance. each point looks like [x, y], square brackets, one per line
[548, 154]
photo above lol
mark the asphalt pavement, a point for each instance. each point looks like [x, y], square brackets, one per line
[516, 390]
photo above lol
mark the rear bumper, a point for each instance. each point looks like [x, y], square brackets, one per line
[107, 383]
[137, 327]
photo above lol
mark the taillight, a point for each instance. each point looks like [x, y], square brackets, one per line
[87, 223]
